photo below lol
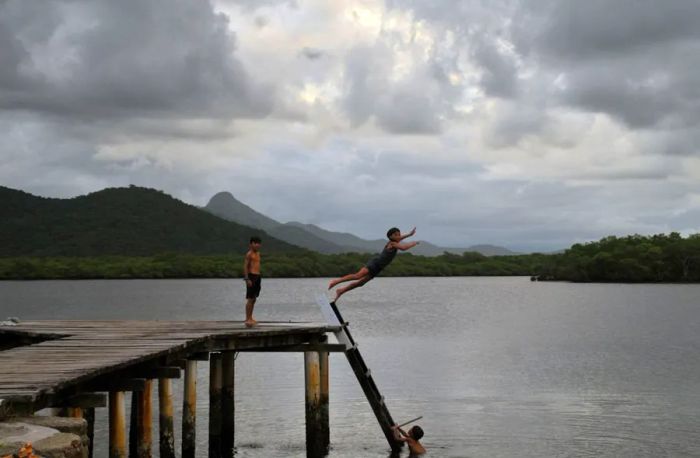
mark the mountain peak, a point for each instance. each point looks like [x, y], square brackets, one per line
[221, 198]
[224, 205]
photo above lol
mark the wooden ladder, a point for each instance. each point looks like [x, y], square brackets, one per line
[359, 367]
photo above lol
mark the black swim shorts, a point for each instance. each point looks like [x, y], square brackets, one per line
[373, 268]
[253, 291]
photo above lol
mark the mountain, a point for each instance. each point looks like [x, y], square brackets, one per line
[310, 236]
[130, 221]
[225, 206]
[355, 243]
[229, 208]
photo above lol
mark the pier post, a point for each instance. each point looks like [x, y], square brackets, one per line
[141, 429]
[227, 404]
[117, 425]
[165, 423]
[324, 401]
[189, 410]
[314, 431]
[133, 422]
[90, 419]
[215, 405]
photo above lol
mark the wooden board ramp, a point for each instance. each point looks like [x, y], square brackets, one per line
[357, 363]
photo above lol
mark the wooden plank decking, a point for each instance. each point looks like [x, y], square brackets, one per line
[78, 353]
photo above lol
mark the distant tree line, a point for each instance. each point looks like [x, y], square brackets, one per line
[308, 264]
[636, 258]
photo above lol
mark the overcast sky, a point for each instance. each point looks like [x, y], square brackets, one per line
[528, 124]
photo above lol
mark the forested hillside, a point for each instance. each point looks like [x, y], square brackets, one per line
[118, 221]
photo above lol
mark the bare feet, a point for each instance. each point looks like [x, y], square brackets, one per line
[250, 323]
[332, 283]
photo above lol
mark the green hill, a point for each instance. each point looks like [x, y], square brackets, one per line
[130, 221]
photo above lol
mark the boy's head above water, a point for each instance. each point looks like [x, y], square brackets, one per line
[416, 432]
[393, 232]
[255, 242]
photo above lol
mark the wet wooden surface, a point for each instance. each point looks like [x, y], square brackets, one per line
[79, 351]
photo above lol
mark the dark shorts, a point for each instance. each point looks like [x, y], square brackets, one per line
[373, 268]
[251, 292]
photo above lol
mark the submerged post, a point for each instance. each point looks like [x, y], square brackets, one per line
[227, 404]
[165, 417]
[89, 415]
[144, 422]
[189, 406]
[324, 400]
[117, 425]
[215, 405]
[314, 431]
[133, 422]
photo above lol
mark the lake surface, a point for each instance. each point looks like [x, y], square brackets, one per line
[498, 367]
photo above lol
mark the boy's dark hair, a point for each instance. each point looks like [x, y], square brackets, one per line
[416, 432]
[392, 231]
[255, 239]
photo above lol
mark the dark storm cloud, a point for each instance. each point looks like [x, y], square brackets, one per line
[312, 53]
[595, 29]
[499, 77]
[103, 59]
[635, 60]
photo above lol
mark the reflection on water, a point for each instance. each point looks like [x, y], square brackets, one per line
[498, 367]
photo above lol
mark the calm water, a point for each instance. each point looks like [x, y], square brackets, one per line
[498, 367]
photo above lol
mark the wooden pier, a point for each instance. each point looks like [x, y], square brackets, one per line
[72, 364]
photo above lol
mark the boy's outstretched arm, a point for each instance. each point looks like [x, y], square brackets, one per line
[412, 232]
[406, 246]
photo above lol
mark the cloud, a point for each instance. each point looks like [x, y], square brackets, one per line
[312, 53]
[523, 123]
[102, 59]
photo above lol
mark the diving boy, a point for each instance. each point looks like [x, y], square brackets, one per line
[251, 275]
[377, 264]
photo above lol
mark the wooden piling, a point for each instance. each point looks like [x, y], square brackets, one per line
[140, 425]
[324, 370]
[144, 422]
[165, 407]
[215, 405]
[314, 431]
[133, 423]
[189, 409]
[89, 415]
[227, 404]
[117, 425]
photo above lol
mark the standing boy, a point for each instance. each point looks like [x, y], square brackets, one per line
[251, 275]
[377, 264]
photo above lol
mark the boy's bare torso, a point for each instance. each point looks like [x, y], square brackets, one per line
[415, 447]
[253, 262]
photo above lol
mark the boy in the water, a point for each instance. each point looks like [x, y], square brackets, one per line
[375, 265]
[251, 275]
[411, 438]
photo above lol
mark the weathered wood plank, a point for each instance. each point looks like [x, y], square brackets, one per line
[82, 351]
